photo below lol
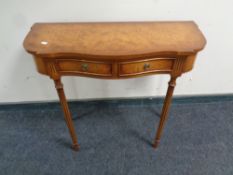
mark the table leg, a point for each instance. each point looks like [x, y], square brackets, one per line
[67, 115]
[163, 117]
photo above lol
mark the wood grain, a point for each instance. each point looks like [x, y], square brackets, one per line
[146, 66]
[119, 40]
[91, 68]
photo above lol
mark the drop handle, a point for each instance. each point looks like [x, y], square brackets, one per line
[146, 66]
[84, 67]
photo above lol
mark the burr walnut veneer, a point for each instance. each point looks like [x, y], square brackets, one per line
[112, 51]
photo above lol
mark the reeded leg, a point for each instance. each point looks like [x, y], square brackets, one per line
[165, 110]
[67, 115]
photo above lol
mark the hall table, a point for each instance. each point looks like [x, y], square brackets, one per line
[114, 50]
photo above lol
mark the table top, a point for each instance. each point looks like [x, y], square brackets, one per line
[114, 39]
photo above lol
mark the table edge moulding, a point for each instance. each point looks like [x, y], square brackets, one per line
[114, 50]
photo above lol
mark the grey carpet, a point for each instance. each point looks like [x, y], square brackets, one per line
[116, 140]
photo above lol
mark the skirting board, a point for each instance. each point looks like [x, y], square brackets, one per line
[119, 102]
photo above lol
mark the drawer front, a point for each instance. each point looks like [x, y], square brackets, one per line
[72, 66]
[160, 65]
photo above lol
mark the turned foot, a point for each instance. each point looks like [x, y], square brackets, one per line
[156, 144]
[75, 147]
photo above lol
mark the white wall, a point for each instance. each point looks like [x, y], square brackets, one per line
[19, 80]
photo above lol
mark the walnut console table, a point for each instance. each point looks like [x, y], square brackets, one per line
[112, 51]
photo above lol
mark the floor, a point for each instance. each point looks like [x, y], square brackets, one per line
[115, 138]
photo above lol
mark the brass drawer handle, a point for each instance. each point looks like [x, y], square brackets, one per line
[146, 66]
[85, 67]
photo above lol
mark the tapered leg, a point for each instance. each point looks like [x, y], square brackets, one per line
[165, 110]
[67, 115]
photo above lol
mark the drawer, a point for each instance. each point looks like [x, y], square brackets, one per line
[72, 66]
[160, 65]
